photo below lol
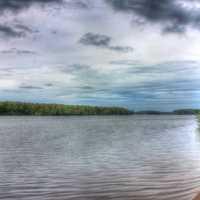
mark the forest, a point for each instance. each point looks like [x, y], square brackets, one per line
[39, 109]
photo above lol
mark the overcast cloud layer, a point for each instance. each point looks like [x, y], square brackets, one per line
[141, 54]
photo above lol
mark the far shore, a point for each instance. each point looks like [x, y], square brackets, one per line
[9, 108]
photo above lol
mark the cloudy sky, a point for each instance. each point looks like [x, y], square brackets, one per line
[141, 54]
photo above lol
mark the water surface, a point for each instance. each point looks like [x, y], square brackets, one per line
[99, 158]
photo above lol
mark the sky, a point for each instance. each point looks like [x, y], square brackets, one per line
[139, 54]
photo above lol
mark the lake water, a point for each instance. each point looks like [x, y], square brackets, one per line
[99, 158]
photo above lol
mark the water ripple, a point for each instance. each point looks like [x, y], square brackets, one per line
[99, 158]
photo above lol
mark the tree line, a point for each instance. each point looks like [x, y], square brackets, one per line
[39, 109]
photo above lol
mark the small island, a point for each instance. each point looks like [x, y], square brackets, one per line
[39, 109]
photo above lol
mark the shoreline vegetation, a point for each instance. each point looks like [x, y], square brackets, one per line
[42, 109]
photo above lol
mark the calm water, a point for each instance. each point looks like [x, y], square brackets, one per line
[99, 158]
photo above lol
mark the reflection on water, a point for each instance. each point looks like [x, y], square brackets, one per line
[99, 158]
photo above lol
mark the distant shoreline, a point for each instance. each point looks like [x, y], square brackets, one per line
[11, 108]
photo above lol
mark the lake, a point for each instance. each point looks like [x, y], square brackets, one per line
[99, 158]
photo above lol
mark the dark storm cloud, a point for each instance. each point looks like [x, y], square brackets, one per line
[171, 14]
[174, 28]
[102, 41]
[10, 32]
[95, 40]
[17, 5]
[14, 30]
[24, 28]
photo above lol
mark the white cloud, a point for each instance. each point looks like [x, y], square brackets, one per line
[6, 84]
